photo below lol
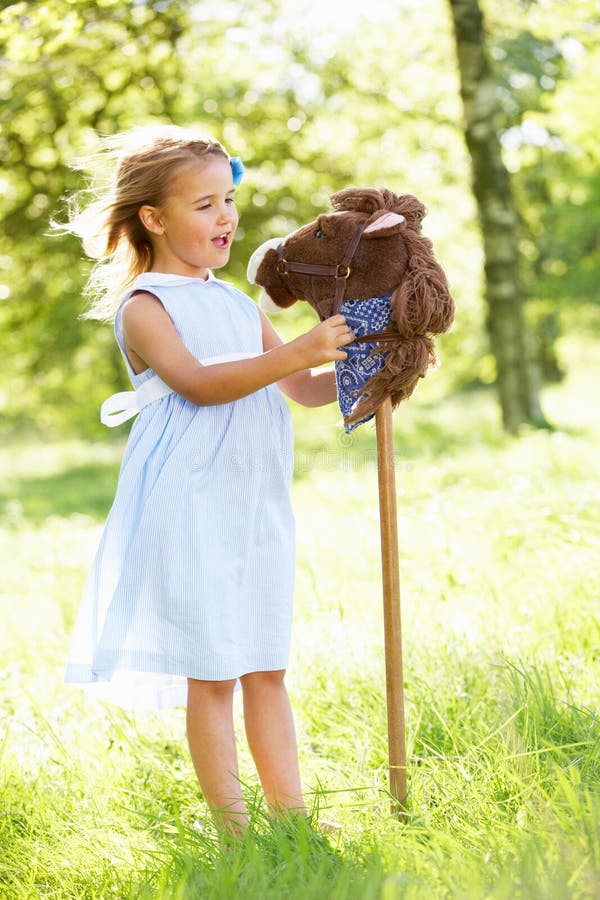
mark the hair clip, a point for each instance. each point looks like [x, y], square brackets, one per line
[237, 169]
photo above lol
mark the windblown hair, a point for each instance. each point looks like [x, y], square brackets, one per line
[144, 162]
[421, 303]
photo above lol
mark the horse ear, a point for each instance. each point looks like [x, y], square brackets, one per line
[385, 224]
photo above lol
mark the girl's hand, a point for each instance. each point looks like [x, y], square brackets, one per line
[321, 344]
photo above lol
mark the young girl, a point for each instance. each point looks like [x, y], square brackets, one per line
[190, 593]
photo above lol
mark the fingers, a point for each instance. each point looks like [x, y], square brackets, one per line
[345, 337]
[338, 319]
[343, 333]
[328, 339]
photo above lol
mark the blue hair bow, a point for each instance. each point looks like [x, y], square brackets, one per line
[237, 169]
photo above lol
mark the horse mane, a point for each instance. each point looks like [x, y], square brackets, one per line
[421, 303]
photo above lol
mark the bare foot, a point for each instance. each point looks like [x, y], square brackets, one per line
[328, 827]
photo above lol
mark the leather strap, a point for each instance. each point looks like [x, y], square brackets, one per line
[340, 272]
[380, 336]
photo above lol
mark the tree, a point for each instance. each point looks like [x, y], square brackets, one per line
[67, 70]
[310, 111]
[511, 344]
[551, 148]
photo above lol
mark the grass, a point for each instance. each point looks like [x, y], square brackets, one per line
[499, 544]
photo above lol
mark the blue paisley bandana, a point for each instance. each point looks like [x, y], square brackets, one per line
[363, 317]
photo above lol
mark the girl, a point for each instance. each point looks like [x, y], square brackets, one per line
[190, 593]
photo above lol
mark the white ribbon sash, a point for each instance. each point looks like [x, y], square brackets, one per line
[124, 405]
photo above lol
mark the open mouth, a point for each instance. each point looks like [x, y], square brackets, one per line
[222, 241]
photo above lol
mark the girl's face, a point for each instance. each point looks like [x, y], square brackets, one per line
[193, 229]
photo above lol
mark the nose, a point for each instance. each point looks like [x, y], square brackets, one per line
[227, 212]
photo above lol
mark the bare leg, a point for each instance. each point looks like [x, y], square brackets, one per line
[272, 740]
[211, 739]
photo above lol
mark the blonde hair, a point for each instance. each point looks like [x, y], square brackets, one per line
[106, 218]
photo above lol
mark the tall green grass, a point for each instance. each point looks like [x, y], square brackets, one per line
[499, 548]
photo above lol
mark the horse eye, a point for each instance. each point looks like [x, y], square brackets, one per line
[319, 233]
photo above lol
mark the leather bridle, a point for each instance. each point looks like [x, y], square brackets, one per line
[341, 273]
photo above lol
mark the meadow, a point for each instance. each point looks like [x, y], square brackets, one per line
[499, 549]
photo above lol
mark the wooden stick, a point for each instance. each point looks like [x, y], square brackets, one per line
[391, 605]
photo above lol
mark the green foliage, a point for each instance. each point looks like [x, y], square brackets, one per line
[68, 70]
[311, 109]
[546, 75]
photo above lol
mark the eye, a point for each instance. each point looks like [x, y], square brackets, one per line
[319, 233]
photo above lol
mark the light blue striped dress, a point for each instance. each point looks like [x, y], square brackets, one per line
[194, 574]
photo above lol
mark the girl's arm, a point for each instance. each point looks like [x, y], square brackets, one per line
[150, 333]
[305, 387]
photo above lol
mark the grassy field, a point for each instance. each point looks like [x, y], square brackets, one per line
[499, 546]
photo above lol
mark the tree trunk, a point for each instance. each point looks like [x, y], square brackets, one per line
[510, 343]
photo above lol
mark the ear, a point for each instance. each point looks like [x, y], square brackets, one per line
[384, 224]
[150, 219]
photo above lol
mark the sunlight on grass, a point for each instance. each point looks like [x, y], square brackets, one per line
[499, 543]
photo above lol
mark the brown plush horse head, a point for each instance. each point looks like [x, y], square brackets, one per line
[370, 246]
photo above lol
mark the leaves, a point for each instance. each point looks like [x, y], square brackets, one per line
[310, 110]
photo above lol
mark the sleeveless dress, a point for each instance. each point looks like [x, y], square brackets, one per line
[194, 573]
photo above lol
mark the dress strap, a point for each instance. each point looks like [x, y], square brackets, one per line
[124, 405]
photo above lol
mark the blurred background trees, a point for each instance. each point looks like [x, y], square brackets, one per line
[513, 351]
[313, 101]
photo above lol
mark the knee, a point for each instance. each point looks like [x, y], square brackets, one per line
[199, 691]
[258, 681]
